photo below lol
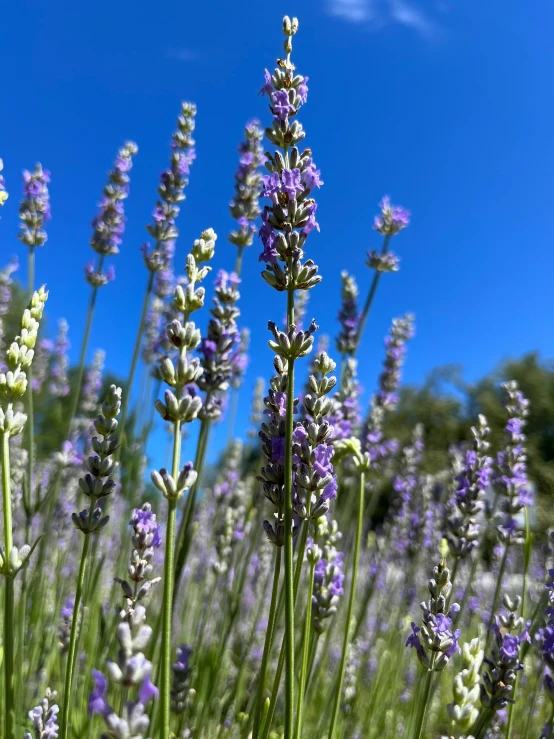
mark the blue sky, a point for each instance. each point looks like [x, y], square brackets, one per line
[446, 106]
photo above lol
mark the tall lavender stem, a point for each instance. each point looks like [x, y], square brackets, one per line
[362, 465]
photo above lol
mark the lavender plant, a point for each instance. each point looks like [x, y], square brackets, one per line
[301, 549]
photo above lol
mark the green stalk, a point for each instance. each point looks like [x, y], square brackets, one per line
[425, 702]
[238, 262]
[265, 726]
[82, 357]
[370, 296]
[346, 639]
[136, 352]
[305, 654]
[183, 538]
[497, 593]
[480, 726]
[169, 584]
[165, 688]
[64, 726]
[527, 560]
[267, 644]
[9, 597]
[289, 589]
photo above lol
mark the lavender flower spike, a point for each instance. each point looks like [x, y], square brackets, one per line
[349, 316]
[392, 219]
[35, 207]
[45, 718]
[109, 223]
[244, 206]
[59, 384]
[511, 477]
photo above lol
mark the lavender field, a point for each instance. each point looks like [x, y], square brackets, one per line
[324, 578]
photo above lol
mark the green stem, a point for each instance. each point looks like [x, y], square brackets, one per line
[527, 559]
[9, 596]
[167, 608]
[183, 538]
[82, 357]
[496, 595]
[67, 702]
[267, 644]
[347, 628]
[277, 680]
[305, 654]
[136, 352]
[423, 704]
[289, 589]
[480, 726]
[370, 296]
[238, 262]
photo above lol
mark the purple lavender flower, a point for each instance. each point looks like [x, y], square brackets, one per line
[45, 717]
[244, 205]
[173, 182]
[35, 207]
[392, 219]
[386, 397]
[436, 633]
[349, 316]
[511, 475]
[181, 671]
[218, 348]
[504, 662]
[384, 262]
[346, 417]
[473, 480]
[109, 223]
[59, 383]
[92, 385]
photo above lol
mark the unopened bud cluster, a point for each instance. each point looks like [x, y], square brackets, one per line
[173, 182]
[435, 642]
[181, 404]
[463, 710]
[99, 481]
[19, 357]
[35, 207]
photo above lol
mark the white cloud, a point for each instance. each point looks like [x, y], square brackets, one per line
[355, 11]
[379, 13]
[409, 15]
[181, 54]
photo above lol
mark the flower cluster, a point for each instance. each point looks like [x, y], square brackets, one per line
[59, 383]
[99, 481]
[181, 671]
[244, 206]
[145, 538]
[315, 483]
[473, 480]
[218, 348]
[511, 463]
[545, 636]
[328, 576]
[109, 223]
[35, 207]
[184, 405]
[410, 489]
[133, 720]
[349, 315]
[504, 661]
[272, 435]
[436, 634]
[229, 518]
[173, 182]
[64, 628]
[345, 418]
[93, 382]
[45, 718]
[6, 282]
[463, 711]
[386, 398]
[392, 219]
